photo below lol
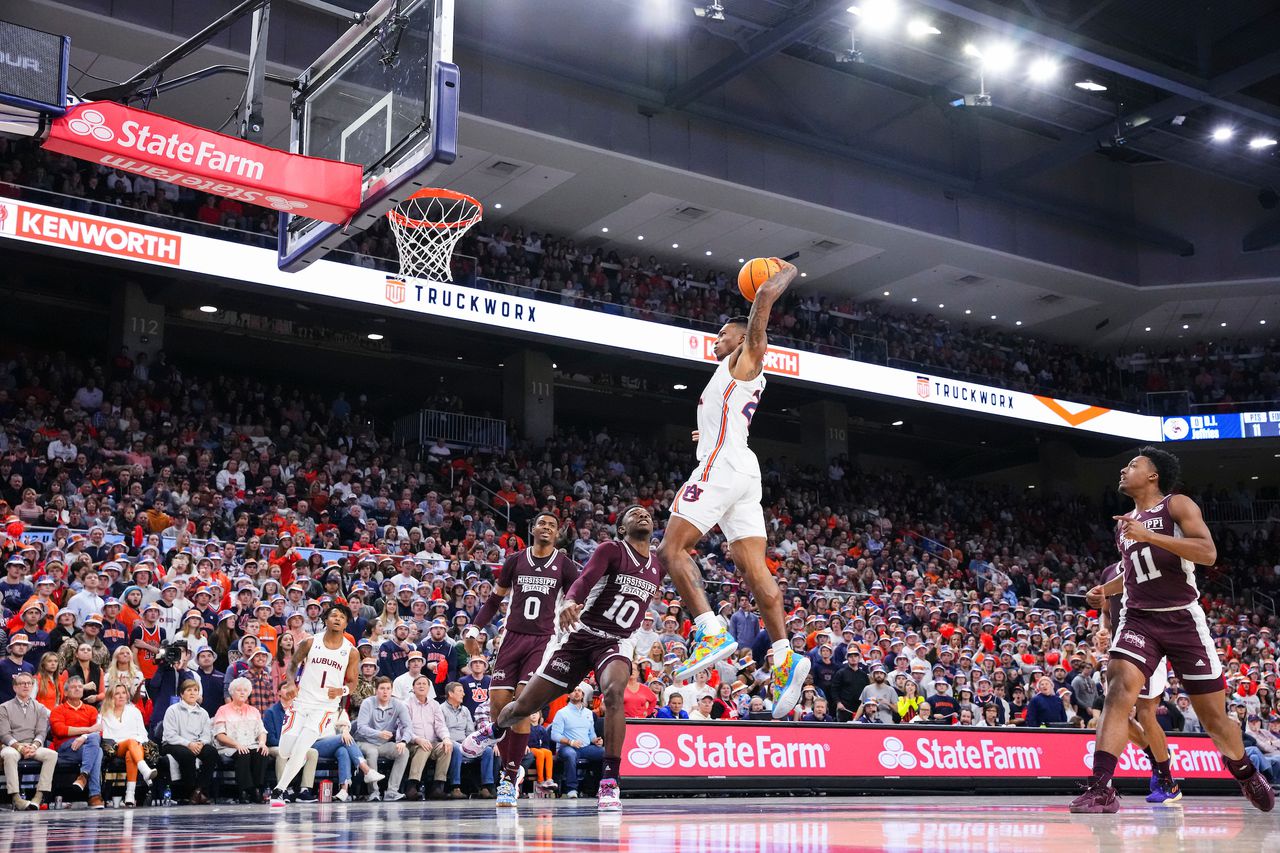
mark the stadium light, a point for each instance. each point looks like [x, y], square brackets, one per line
[896, 423]
[876, 14]
[886, 293]
[1090, 86]
[713, 11]
[208, 309]
[920, 28]
[374, 336]
[1222, 133]
[604, 230]
[679, 387]
[1260, 142]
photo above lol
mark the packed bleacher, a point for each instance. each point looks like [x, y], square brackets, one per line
[170, 537]
[1219, 375]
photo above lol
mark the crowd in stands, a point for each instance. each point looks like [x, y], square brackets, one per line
[170, 537]
[513, 259]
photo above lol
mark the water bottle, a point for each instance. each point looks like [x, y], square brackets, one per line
[168, 797]
[57, 803]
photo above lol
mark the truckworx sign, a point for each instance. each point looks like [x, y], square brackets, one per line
[806, 751]
[164, 149]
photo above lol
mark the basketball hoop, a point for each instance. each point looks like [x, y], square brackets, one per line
[427, 225]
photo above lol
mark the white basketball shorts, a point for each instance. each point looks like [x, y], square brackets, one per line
[727, 498]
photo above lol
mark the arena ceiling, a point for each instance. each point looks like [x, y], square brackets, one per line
[1174, 72]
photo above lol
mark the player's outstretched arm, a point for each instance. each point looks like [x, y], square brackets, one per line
[750, 359]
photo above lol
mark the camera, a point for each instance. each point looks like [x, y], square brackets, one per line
[172, 653]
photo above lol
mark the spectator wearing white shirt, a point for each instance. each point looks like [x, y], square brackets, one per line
[62, 448]
[402, 687]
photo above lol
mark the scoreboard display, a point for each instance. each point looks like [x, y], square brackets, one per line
[1212, 427]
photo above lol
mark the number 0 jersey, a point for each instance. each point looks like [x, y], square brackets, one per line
[537, 585]
[324, 668]
[1155, 579]
[724, 421]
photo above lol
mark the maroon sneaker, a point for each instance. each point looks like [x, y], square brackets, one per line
[1096, 799]
[1257, 790]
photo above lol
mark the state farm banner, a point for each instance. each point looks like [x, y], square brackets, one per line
[165, 149]
[802, 751]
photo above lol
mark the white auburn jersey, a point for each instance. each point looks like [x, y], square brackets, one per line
[324, 668]
[725, 411]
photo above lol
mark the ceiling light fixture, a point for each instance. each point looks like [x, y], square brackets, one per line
[1147, 329]
[675, 245]
[1222, 133]
[374, 336]
[640, 237]
[920, 28]
[1262, 322]
[497, 206]
[993, 316]
[679, 387]
[604, 230]
[742, 260]
[804, 275]
[942, 305]
[1185, 326]
[1017, 323]
[876, 14]
[208, 309]
[914, 299]
[968, 310]
[713, 11]
[896, 423]
[708, 253]
[1090, 86]
[1223, 325]
[886, 293]
[1043, 70]
[1260, 142]
[996, 57]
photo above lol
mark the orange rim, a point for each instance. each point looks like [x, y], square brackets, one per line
[439, 193]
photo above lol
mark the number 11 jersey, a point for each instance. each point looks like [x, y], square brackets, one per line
[1155, 579]
[536, 585]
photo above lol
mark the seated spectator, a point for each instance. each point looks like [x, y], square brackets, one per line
[703, 709]
[431, 739]
[240, 736]
[910, 700]
[81, 664]
[924, 714]
[674, 709]
[1047, 707]
[383, 730]
[122, 726]
[725, 706]
[819, 714]
[187, 737]
[273, 721]
[540, 757]
[881, 693]
[402, 687]
[123, 669]
[990, 717]
[638, 701]
[1262, 748]
[574, 733]
[460, 723]
[870, 712]
[77, 736]
[24, 731]
[945, 708]
[343, 746]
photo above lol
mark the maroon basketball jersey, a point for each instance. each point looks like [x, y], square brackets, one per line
[624, 582]
[536, 585]
[1156, 579]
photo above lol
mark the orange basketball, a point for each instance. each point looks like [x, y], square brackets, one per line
[754, 273]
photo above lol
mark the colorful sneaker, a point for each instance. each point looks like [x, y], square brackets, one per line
[1164, 793]
[1096, 799]
[708, 649]
[610, 799]
[1257, 790]
[278, 799]
[474, 744]
[506, 795]
[788, 681]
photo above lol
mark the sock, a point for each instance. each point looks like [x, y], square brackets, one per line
[780, 649]
[129, 789]
[1161, 769]
[1104, 767]
[1241, 768]
[610, 768]
[709, 624]
[512, 750]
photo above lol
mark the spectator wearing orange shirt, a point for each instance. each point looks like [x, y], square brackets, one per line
[77, 737]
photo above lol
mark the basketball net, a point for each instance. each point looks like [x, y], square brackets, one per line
[427, 225]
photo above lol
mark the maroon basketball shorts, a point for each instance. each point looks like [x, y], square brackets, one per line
[518, 658]
[570, 656]
[1143, 637]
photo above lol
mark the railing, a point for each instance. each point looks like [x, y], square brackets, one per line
[466, 430]
[1242, 512]
[498, 506]
[1262, 601]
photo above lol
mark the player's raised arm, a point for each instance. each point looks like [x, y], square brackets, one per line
[1195, 543]
[749, 361]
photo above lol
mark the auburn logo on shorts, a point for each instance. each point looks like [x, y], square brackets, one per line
[692, 492]
[395, 290]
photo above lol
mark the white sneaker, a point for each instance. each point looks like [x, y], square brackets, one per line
[392, 797]
[342, 796]
[375, 796]
[520, 772]
[572, 795]
[277, 802]
[610, 799]
[373, 776]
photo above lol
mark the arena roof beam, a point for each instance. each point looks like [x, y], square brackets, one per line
[760, 47]
[1066, 43]
[1078, 145]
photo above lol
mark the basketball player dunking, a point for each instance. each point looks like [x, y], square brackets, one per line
[1144, 728]
[330, 670]
[600, 613]
[725, 489]
[1161, 541]
[535, 578]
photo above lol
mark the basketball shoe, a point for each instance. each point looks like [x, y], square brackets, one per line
[1164, 793]
[506, 794]
[474, 744]
[1257, 790]
[610, 799]
[1096, 798]
[788, 681]
[708, 649]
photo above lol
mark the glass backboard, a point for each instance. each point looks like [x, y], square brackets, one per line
[385, 95]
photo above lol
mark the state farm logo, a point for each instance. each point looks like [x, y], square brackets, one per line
[285, 204]
[649, 752]
[1088, 753]
[895, 756]
[91, 123]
